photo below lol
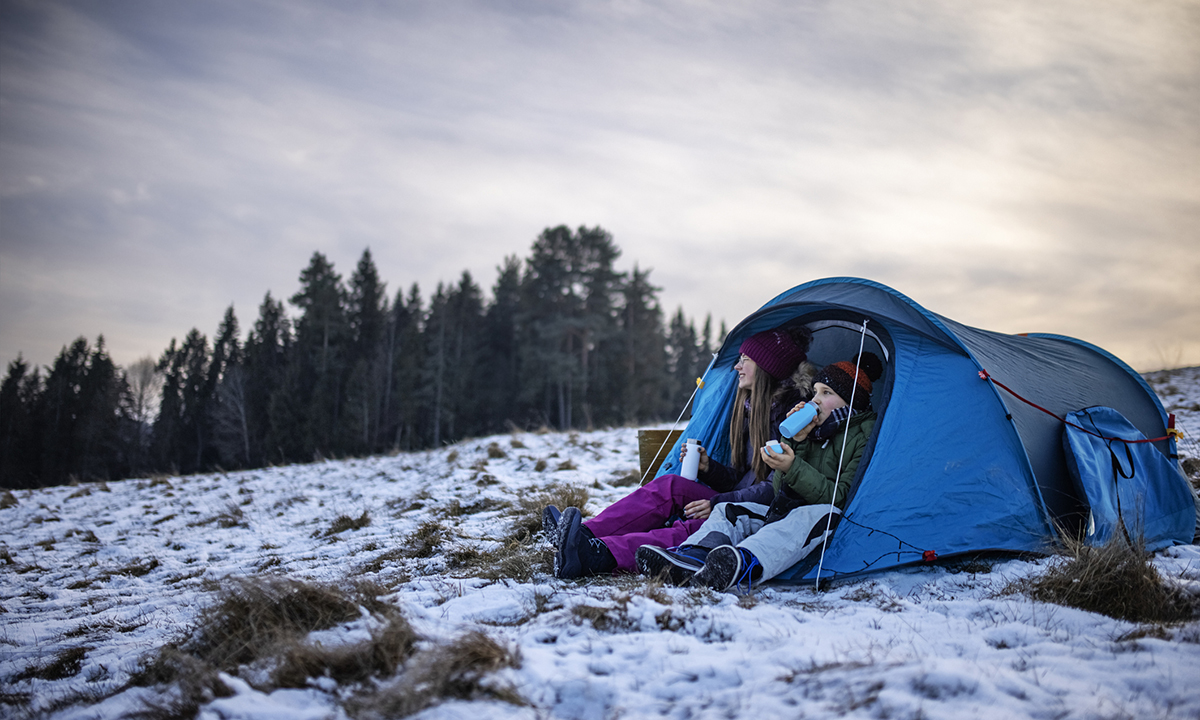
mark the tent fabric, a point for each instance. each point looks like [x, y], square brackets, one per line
[1129, 487]
[955, 465]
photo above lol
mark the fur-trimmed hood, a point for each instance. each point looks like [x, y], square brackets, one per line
[800, 381]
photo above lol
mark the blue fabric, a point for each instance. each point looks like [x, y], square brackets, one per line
[956, 464]
[948, 473]
[1127, 483]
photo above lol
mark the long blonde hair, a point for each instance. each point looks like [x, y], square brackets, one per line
[758, 400]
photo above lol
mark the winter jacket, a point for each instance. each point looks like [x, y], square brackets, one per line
[722, 478]
[810, 479]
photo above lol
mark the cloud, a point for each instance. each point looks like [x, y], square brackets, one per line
[1021, 166]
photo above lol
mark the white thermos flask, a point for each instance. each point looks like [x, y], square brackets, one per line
[691, 460]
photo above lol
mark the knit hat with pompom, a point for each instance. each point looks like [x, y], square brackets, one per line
[840, 377]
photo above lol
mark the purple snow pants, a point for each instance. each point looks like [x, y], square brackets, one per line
[640, 518]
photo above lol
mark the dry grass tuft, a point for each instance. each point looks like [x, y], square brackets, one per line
[426, 540]
[197, 682]
[1158, 632]
[517, 560]
[264, 621]
[383, 559]
[629, 479]
[458, 670]
[1191, 466]
[138, 568]
[67, 663]
[7, 500]
[455, 508]
[495, 451]
[379, 656]
[343, 523]
[463, 556]
[252, 616]
[231, 518]
[88, 536]
[1116, 580]
[528, 519]
[604, 619]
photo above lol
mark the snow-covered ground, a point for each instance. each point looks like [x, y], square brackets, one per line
[122, 570]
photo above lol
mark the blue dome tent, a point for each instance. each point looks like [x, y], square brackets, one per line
[961, 460]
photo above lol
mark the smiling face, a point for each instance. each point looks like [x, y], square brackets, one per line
[745, 369]
[827, 400]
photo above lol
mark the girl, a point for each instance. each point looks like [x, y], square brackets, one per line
[773, 375]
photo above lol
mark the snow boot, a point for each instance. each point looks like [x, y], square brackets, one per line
[675, 565]
[580, 553]
[728, 567]
[550, 517]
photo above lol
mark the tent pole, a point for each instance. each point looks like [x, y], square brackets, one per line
[841, 456]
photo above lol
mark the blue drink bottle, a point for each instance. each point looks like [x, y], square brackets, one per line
[795, 422]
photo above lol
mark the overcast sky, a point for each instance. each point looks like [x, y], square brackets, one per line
[1016, 166]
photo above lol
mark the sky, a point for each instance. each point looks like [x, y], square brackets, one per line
[1021, 167]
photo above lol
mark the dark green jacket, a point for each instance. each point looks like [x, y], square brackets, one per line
[811, 476]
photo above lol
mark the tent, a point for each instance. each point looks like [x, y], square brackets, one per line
[961, 462]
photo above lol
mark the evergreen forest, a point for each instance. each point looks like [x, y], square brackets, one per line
[564, 341]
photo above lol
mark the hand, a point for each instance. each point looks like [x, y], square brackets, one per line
[697, 509]
[703, 457]
[802, 435]
[779, 461]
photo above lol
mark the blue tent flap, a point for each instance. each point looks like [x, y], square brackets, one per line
[1126, 483]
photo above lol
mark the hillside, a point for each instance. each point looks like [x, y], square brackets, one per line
[432, 585]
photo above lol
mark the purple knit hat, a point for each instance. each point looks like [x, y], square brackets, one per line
[775, 351]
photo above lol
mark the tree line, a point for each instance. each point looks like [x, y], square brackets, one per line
[564, 341]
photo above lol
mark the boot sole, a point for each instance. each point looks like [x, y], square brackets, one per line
[657, 562]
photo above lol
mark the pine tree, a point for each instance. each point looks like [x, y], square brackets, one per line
[77, 421]
[317, 373]
[500, 386]
[228, 398]
[643, 378]
[267, 355]
[181, 431]
[568, 296]
[706, 347]
[165, 441]
[19, 437]
[683, 358]
[464, 314]
[104, 440]
[436, 330]
[61, 409]
[366, 384]
[407, 398]
[196, 400]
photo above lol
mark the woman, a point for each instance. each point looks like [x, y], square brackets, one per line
[773, 375]
[749, 542]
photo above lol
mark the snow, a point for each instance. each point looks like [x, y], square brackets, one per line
[123, 569]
